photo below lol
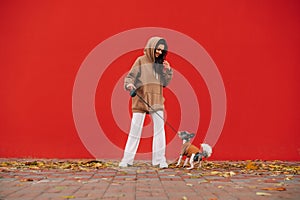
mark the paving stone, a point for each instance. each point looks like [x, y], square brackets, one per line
[144, 182]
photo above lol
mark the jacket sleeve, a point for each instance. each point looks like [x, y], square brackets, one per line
[166, 77]
[133, 74]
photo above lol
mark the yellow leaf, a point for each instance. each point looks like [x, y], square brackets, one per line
[26, 180]
[68, 197]
[289, 177]
[263, 194]
[251, 166]
[215, 173]
[275, 189]
[231, 173]
[228, 174]
[203, 181]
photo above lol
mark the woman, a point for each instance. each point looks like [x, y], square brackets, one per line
[148, 75]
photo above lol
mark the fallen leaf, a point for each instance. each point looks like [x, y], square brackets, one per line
[189, 184]
[275, 189]
[203, 181]
[130, 179]
[26, 180]
[289, 177]
[263, 194]
[215, 173]
[195, 176]
[68, 197]
[229, 174]
[280, 184]
[251, 166]
[34, 167]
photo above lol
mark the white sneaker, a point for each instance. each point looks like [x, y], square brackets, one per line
[122, 164]
[163, 165]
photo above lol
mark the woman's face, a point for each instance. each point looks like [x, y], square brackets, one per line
[159, 50]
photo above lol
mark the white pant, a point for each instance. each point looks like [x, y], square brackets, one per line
[159, 139]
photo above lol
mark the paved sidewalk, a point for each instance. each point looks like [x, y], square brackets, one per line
[215, 181]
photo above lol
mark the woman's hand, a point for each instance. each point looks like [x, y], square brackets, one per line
[166, 65]
[130, 87]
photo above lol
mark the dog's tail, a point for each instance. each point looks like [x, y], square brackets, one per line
[207, 150]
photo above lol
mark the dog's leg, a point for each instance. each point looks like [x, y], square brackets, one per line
[199, 161]
[186, 161]
[192, 161]
[179, 161]
[199, 166]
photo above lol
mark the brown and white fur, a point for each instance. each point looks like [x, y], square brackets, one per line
[193, 154]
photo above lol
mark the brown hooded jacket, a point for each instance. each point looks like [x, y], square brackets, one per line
[148, 80]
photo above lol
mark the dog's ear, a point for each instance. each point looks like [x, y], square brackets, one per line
[181, 134]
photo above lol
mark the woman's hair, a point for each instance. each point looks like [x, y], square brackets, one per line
[162, 57]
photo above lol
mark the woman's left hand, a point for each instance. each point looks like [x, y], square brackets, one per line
[166, 65]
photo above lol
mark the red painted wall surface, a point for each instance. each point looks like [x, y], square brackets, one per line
[254, 44]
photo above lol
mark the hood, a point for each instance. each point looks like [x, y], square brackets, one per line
[150, 47]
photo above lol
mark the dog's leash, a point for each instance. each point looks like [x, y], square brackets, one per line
[133, 93]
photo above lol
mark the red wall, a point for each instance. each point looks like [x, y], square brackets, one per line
[255, 46]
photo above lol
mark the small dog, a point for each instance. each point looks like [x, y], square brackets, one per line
[192, 153]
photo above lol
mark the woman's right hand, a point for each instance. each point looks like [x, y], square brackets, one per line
[130, 87]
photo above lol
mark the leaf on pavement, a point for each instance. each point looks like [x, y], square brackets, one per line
[274, 189]
[251, 166]
[68, 197]
[263, 194]
[26, 180]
